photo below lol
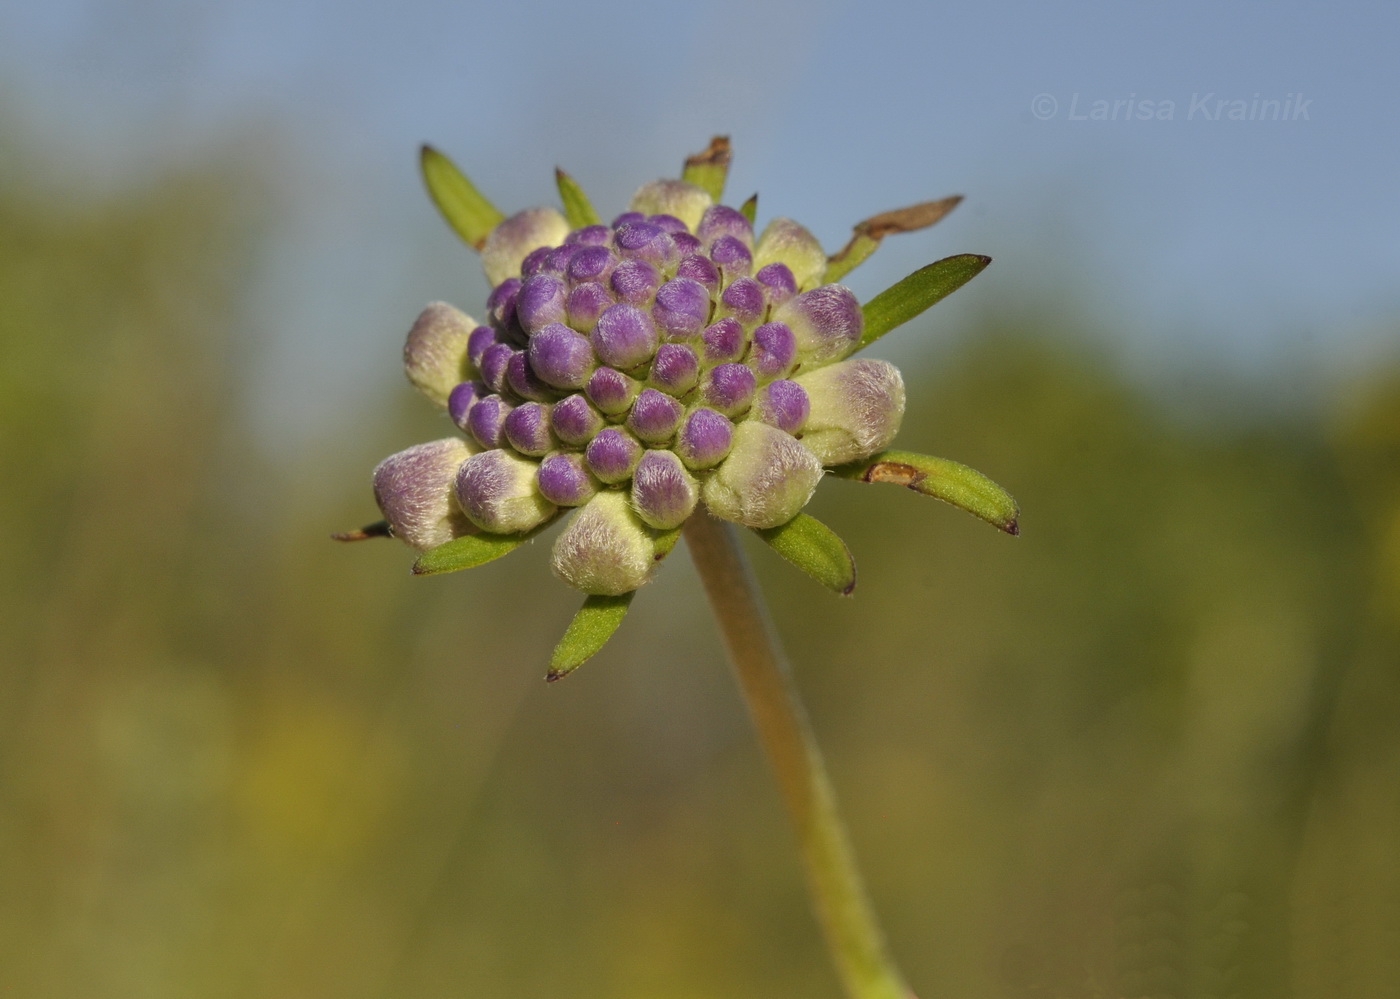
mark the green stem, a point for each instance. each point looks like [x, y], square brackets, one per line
[853, 936]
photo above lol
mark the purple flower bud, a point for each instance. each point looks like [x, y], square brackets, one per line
[527, 429]
[613, 454]
[462, 399]
[684, 200]
[497, 490]
[730, 388]
[541, 302]
[784, 241]
[782, 404]
[557, 260]
[721, 221]
[500, 305]
[486, 420]
[724, 341]
[705, 439]
[523, 381]
[655, 416]
[627, 218]
[495, 361]
[561, 357]
[766, 480]
[827, 322]
[857, 406]
[576, 422]
[611, 391]
[732, 256]
[592, 263]
[778, 279]
[664, 494]
[481, 338]
[745, 300]
[624, 337]
[605, 549]
[635, 281]
[644, 241]
[686, 244]
[682, 308]
[564, 480]
[414, 490]
[586, 303]
[699, 268]
[590, 235]
[676, 368]
[534, 261]
[435, 355]
[774, 350]
[509, 243]
[669, 224]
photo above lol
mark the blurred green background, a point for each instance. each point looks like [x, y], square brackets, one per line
[1148, 750]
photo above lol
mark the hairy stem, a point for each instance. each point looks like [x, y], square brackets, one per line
[853, 936]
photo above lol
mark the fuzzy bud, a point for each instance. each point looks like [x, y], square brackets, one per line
[785, 242]
[664, 494]
[414, 490]
[827, 322]
[515, 238]
[435, 353]
[677, 198]
[497, 490]
[857, 407]
[766, 480]
[564, 479]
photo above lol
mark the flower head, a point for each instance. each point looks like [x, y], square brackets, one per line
[626, 375]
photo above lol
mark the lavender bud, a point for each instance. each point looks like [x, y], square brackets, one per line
[612, 391]
[686, 244]
[745, 300]
[678, 198]
[526, 429]
[435, 355]
[644, 241]
[509, 243]
[783, 404]
[766, 480]
[590, 235]
[606, 550]
[613, 454]
[461, 401]
[576, 422]
[857, 406]
[779, 281]
[541, 302]
[414, 490]
[724, 341]
[564, 480]
[669, 224]
[523, 381]
[732, 256]
[827, 321]
[635, 281]
[592, 263]
[774, 350]
[486, 420]
[495, 362]
[705, 439]
[586, 303]
[534, 261]
[498, 493]
[721, 221]
[626, 218]
[655, 416]
[784, 241]
[557, 260]
[664, 494]
[682, 308]
[698, 268]
[481, 338]
[500, 305]
[624, 337]
[730, 388]
[561, 357]
[676, 369]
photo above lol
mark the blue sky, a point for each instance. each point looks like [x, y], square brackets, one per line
[1238, 241]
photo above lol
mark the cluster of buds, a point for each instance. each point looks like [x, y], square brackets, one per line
[635, 372]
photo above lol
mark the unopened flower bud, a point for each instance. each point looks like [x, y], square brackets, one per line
[500, 307]
[827, 321]
[462, 399]
[732, 257]
[592, 263]
[414, 490]
[705, 438]
[646, 241]
[676, 369]
[766, 480]
[613, 454]
[523, 381]
[561, 357]
[697, 268]
[774, 350]
[785, 242]
[682, 308]
[564, 479]
[724, 341]
[857, 406]
[783, 404]
[678, 198]
[778, 279]
[435, 353]
[591, 235]
[481, 338]
[655, 416]
[612, 391]
[730, 388]
[720, 221]
[495, 365]
[527, 429]
[605, 549]
[624, 337]
[509, 243]
[576, 422]
[541, 302]
[664, 494]
[498, 492]
[744, 300]
[635, 281]
[487, 420]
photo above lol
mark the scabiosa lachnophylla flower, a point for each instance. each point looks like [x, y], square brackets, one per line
[628, 376]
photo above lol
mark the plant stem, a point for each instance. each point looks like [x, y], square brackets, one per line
[853, 936]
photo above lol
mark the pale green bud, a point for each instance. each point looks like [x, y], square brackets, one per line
[435, 353]
[515, 238]
[605, 549]
[414, 490]
[857, 406]
[677, 198]
[786, 242]
[766, 480]
[497, 490]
